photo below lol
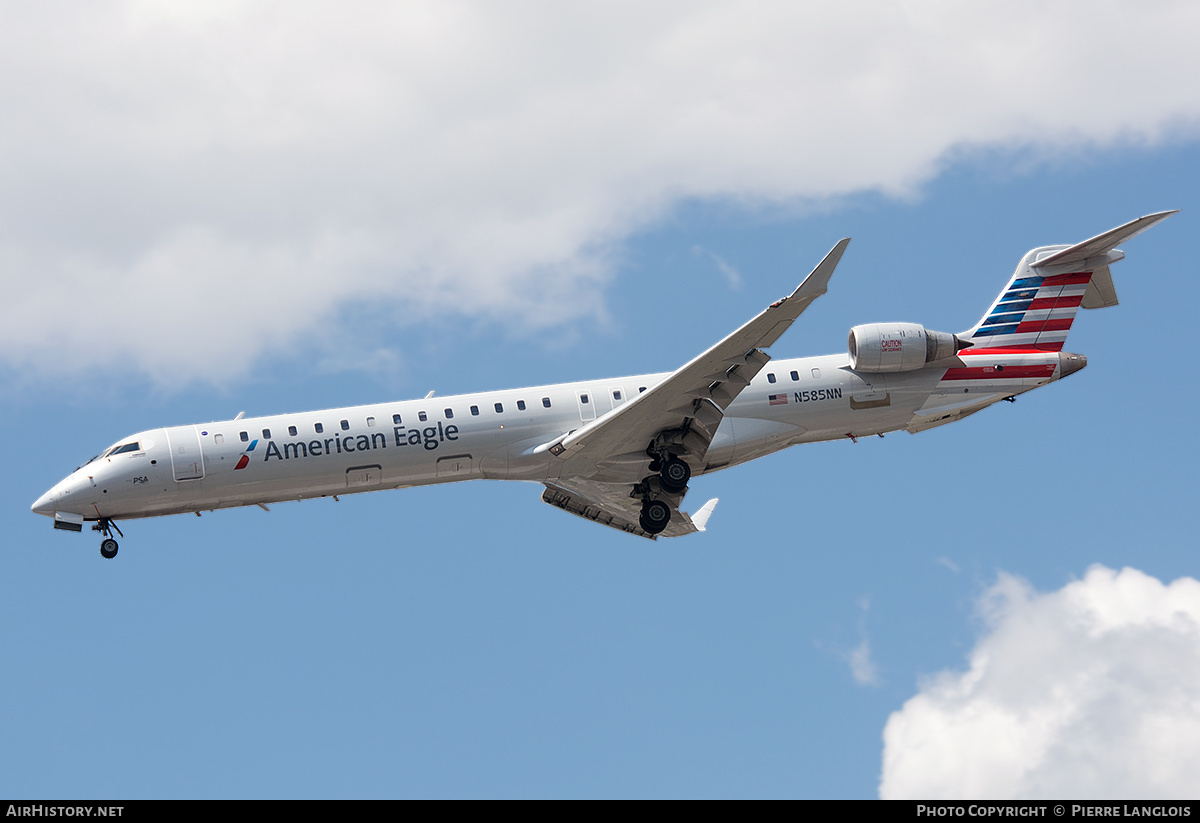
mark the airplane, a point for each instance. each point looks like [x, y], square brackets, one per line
[619, 451]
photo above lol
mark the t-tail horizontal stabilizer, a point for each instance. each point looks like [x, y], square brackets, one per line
[1102, 243]
[1101, 293]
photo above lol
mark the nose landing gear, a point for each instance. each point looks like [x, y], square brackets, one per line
[108, 546]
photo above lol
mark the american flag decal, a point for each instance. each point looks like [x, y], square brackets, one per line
[778, 399]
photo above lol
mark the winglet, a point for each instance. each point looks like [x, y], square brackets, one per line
[1102, 243]
[701, 517]
[817, 282]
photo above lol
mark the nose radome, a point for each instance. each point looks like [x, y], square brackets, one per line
[44, 504]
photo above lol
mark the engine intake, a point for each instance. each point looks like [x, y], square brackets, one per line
[895, 347]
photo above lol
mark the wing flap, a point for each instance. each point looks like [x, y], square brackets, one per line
[609, 504]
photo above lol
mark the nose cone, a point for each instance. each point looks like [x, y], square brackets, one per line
[44, 504]
[1070, 363]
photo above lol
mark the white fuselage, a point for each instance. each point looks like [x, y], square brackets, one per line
[495, 435]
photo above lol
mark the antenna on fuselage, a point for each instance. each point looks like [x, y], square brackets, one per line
[239, 417]
[429, 395]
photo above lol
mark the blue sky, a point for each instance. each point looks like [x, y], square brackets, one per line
[468, 640]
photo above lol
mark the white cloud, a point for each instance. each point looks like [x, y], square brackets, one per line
[1091, 691]
[732, 276]
[190, 186]
[948, 563]
[862, 667]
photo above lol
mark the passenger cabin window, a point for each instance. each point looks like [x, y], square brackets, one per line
[616, 394]
[266, 434]
[795, 375]
[396, 419]
[318, 428]
[546, 402]
[583, 398]
[218, 439]
[816, 373]
[245, 437]
[449, 413]
[292, 431]
[770, 378]
[520, 405]
[345, 425]
[499, 408]
[475, 410]
[641, 389]
[370, 422]
[422, 416]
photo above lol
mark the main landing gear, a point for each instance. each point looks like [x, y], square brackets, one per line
[672, 479]
[108, 546]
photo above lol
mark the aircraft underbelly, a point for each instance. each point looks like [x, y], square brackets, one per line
[755, 437]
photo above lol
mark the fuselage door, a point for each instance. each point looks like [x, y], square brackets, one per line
[187, 460]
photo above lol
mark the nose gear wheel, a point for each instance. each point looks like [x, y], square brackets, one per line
[108, 546]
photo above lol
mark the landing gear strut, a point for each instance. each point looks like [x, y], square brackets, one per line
[108, 546]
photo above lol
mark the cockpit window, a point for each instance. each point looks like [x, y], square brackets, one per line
[121, 448]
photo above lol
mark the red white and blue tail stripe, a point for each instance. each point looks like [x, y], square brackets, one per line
[1033, 312]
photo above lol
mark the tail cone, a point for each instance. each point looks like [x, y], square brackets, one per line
[1070, 363]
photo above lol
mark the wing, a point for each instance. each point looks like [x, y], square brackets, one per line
[611, 505]
[682, 412]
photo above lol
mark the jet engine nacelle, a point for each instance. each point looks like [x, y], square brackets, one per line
[893, 347]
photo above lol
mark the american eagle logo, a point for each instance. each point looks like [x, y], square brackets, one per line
[244, 461]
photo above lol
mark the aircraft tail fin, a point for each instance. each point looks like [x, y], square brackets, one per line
[1035, 310]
